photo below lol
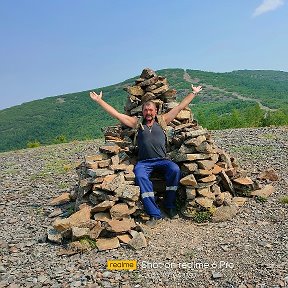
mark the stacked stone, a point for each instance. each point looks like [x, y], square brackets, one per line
[211, 178]
[149, 87]
[107, 199]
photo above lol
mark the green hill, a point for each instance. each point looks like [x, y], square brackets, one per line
[235, 99]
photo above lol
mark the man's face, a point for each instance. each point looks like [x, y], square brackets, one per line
[149, 112]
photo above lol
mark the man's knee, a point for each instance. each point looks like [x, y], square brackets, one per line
[174, 169]
[140, 175]
[141, 178]
[173, 174]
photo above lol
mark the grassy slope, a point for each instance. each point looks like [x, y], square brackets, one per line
[76, 117]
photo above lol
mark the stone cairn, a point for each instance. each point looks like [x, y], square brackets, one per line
[107, 201]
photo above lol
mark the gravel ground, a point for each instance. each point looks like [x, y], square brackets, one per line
[248, 251]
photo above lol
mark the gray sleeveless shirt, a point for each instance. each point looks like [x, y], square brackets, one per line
[151, 142]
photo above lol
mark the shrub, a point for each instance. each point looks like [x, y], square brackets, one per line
[33, 144]
[60, 139]
[261, 199]
[284, 200]
[202, 216]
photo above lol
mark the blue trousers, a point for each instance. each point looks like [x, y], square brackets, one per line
[170, 170]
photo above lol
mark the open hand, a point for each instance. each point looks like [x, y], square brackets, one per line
[94, 96]
[196, 89]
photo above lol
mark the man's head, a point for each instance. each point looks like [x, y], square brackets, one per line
[149, 110]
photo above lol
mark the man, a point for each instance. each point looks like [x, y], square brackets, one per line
[151, 142]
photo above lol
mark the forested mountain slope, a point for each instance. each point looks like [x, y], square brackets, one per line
[235, 99]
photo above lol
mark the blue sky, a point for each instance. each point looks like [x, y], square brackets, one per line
[55, 47]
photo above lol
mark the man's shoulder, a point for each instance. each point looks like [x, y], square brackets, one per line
[161, 121]
[139, 123]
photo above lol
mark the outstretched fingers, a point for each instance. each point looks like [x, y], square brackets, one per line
[94, 96]
[196, 89]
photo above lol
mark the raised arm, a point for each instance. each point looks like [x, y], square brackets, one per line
[125, 119]
[169, 116]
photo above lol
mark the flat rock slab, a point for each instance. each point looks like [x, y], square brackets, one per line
[265, 192]
[224, 213]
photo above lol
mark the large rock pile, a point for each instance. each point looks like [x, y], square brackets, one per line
[107, 199]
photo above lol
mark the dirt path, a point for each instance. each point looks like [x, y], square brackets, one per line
[188, 78]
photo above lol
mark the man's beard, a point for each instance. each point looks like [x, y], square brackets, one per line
[150, 116]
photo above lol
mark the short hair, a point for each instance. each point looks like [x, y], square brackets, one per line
[149, 103]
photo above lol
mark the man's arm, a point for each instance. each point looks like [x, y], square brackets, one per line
[169, 116]
[125, 119]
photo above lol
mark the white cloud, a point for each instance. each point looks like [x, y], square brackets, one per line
[266, 6]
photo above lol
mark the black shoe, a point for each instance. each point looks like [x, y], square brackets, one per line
[172, 213]
[153, 222]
